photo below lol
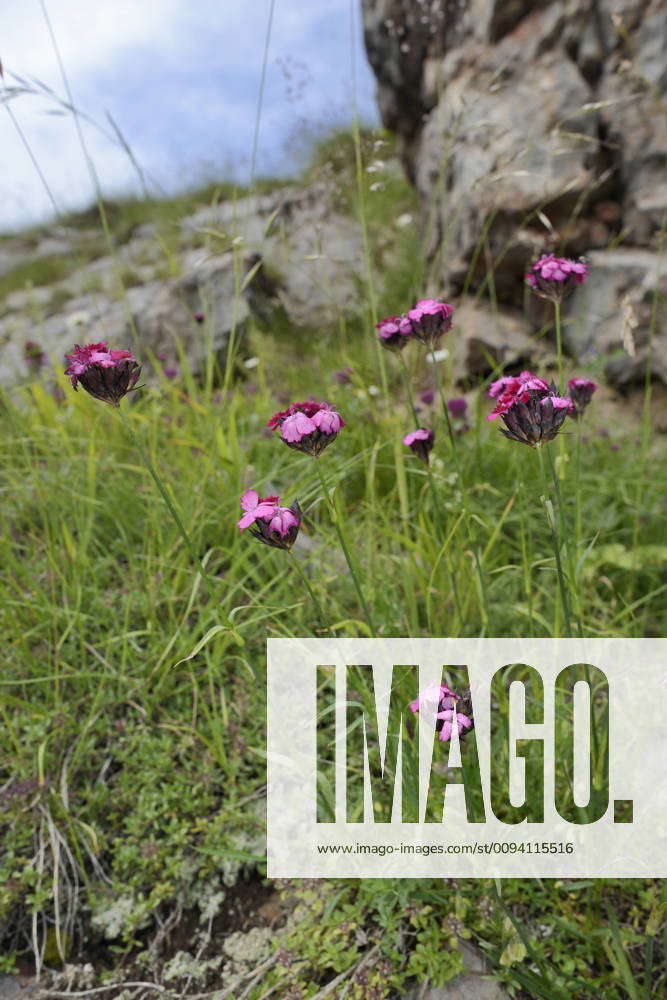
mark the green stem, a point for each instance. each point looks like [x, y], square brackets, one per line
[443, 402]
[551, 521]
[346, 551]
[408, 391]
[559, 346]
[567, 539]
[163, 493]
[311, 593]
[434, 491]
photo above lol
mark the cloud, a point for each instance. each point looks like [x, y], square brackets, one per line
[181, 78]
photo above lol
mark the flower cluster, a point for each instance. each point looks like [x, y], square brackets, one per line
[105, 374]
[554, 277]
[530, 408]
[440, 697]
[426, 322]
[308, 426]
[269, 522]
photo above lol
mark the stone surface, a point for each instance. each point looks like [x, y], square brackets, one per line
[484, 338]
[290, 256]
[15, 988]
[473, 984]
[620, 311]
[528, 127]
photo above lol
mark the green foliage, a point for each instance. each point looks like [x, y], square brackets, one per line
[132, 716]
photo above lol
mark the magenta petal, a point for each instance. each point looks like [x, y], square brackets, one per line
[249, 500]
[297, 426]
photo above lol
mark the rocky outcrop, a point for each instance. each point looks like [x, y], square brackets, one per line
[286, 259]
[529, 127]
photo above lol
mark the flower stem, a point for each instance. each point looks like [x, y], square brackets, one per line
[163, 493]
[304, 579]
[408, 390]
[443, 402]
[346, 551]
[559, 345]
[437, 506]
[555, 541]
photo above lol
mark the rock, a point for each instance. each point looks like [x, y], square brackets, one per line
[15, 988]
[471, 985]
[484, 338]
[289, 259]
[521, 125]
[614, 313]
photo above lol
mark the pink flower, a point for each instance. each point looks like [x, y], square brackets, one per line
[309, 426]
[434, 694]
[273, 525]
[581, 392]
[297, 426]
[255, 507]
[558, 402]
[420, 442]
[394, 331]
[457, 407]
[105, 374]
[463, 724]
[554, 277]
[444, 700]
[328, 421]
[515, 389]
[430, 318]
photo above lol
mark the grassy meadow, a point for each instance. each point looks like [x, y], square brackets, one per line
[132, 699]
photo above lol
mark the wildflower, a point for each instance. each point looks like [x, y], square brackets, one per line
[308, 426]
[394, 332]
[430, 318]
[420, 442]
[554, 277]
[443, 699]
[198, 317]
[343, 376]
[581, 392]
[273, 525]
[457, 408]
[537, 419]
[105, 374]
[427, 398]
[516, 389]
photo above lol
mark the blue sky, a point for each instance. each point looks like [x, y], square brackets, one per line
[181, 78]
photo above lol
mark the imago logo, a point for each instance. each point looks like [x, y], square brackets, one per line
[487, 757]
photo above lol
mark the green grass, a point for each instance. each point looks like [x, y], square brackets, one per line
[132, 697]
[141, 759]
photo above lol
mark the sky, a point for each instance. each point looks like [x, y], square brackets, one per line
[181, 79]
